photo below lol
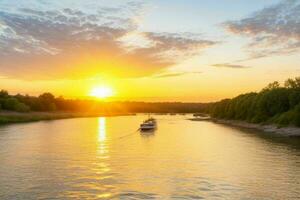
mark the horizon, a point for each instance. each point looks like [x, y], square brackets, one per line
[114, 99]
[170, 51]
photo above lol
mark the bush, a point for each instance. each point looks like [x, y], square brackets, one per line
[3, 94]
[284, 119]
[51, 107]
[296, 120]
[273, 102]
[258, 118]
[14, 105]
[21, 107]
[10, 103]
[294, 98]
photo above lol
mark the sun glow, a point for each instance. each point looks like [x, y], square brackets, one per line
[102, 92]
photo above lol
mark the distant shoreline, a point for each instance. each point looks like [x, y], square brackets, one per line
[7, 117]
[288, 131]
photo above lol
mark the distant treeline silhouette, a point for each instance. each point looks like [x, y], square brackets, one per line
[48, 102]
[273, 104]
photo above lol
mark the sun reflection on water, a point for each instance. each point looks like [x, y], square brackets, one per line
[102, 129]
[102, 167]
[102, 140]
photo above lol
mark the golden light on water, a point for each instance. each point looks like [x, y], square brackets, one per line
[102, 145]
[102, 164]
[102, 92]
[102, 129]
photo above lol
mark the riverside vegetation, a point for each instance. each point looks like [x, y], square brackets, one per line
[275, 104]
[48, 102]
[24, 108]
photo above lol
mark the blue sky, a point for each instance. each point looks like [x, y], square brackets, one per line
[198, 15]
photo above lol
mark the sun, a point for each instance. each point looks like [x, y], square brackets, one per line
[102, 92]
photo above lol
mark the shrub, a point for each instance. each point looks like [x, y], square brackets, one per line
[21, 107]
[10, 103]
[296, 120]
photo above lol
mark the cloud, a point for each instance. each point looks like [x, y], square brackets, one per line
[174, 74]
[69, 43]
[228, 65]
[273, 30]
[176, 47]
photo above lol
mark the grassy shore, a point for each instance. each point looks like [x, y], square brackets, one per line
[7, 117]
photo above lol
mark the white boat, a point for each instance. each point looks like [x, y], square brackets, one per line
[149, 124]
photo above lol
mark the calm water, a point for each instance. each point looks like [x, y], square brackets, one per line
[104, 158]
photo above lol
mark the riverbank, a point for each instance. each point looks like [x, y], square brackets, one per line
[269, 128]
[7, 117]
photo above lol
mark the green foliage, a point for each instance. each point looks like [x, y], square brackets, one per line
[294, 97]
[296, 119]
[10, 103]
[292, 83]
[47, 102]
[271, 86]
[20, 103]
[13, 104]
[274, 104]
[3, 94]
[51, 106]
[21, 107]
[47, 97]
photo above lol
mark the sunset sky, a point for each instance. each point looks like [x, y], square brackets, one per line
[156, 50]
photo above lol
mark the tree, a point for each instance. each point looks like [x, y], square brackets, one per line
[51, 107]
[294, 98]
[21, 107]
[297, 115]
[274, 104]
[272, 86]
[10, 103]
[292, 83]
[3, 94]
[47, 102]
[47, 97]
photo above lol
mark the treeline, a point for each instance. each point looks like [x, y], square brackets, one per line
[21, 103]
[273, 104]
[48, 102]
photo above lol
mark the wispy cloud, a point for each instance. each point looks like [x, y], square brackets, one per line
[228, 65]
[73, 43]
[174, 74]
[273, 30]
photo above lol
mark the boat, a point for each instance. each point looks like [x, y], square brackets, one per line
[148, 125]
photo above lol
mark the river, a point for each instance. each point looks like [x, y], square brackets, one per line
[107, 158]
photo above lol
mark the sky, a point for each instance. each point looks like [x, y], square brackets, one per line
[156, 50]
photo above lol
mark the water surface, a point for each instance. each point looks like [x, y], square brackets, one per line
[106, 158]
